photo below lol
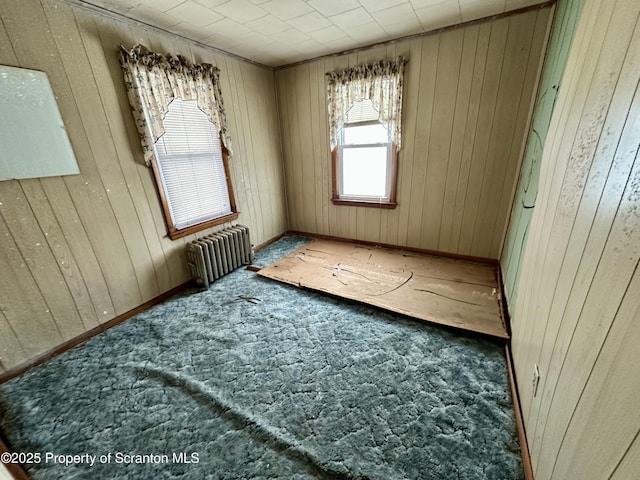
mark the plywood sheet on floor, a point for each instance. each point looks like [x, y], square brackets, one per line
[441, 290]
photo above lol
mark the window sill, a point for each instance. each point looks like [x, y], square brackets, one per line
[175, 234]
[364, 203]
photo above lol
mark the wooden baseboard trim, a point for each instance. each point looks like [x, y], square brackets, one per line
[522, 434]
[69, 344]
[269, 242]
[455, 256]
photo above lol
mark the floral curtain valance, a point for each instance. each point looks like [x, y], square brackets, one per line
[380, 82]
[153, 81]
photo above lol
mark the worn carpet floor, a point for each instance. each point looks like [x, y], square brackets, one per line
[256, 379]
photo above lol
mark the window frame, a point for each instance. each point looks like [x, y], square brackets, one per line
[338, 198]
[175, 233]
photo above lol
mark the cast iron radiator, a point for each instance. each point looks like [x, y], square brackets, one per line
[215, 255]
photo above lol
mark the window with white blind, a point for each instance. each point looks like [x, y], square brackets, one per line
[191, 171]
[364, 162]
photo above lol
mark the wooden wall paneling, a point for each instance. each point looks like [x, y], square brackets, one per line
[445, 168]
[522, 70]
[248, 158]
[64, 258]
[101, 44]
[270, 162]
[304, 144]
[75, 236]
[258, 125]
[68, 40]
[550, 181]
[423, 101]
[629, 466]
[111, 34]
[491, 85]
[324, 66]
[36, 253]
[583, 304]
[106, 244]
[522, 331]
[608, 402]
[129, 37]
[250, 75]
[275, 154]
[398, 232]
[527, 116]
[482, 36]
[498, 162]
[23, 305]
[294, 195]
[272, 157]
[233, 98]
[87, 189]
[390, 226]
[7, 55]
[583, 252]
[255, 161]
[11, 351]
[297, 149]
[317, 150]
[327, 65]
[327, 191]
[619, 262]
[16, 298]
[469, 38]
[439, 162]
[524, 198]
[579, 196]
[284, 121]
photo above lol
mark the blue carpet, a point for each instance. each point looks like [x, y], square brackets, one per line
[257, 379]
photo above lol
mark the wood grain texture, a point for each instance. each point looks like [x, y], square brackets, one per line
[466, 100]
[78, 251]
[564, 23]
[577, 310]
[439, 290]
[629, 466]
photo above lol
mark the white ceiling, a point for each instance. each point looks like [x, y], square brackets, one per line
[279, 32]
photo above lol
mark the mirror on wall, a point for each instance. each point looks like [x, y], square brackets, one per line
[33, 138]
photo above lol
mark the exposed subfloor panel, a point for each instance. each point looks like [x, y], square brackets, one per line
[446, 291]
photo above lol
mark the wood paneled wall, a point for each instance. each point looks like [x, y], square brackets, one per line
[578, 309]
[77, 251]
[564, 24]
[467, 99]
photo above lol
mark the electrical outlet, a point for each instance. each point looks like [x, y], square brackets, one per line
[536, 379]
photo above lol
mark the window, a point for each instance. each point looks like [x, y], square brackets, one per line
[365, 113]
[365, 160]
[191, 170]
[179, 113]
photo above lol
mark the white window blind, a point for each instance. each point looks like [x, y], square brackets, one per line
[189, 158]
[362, 111]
